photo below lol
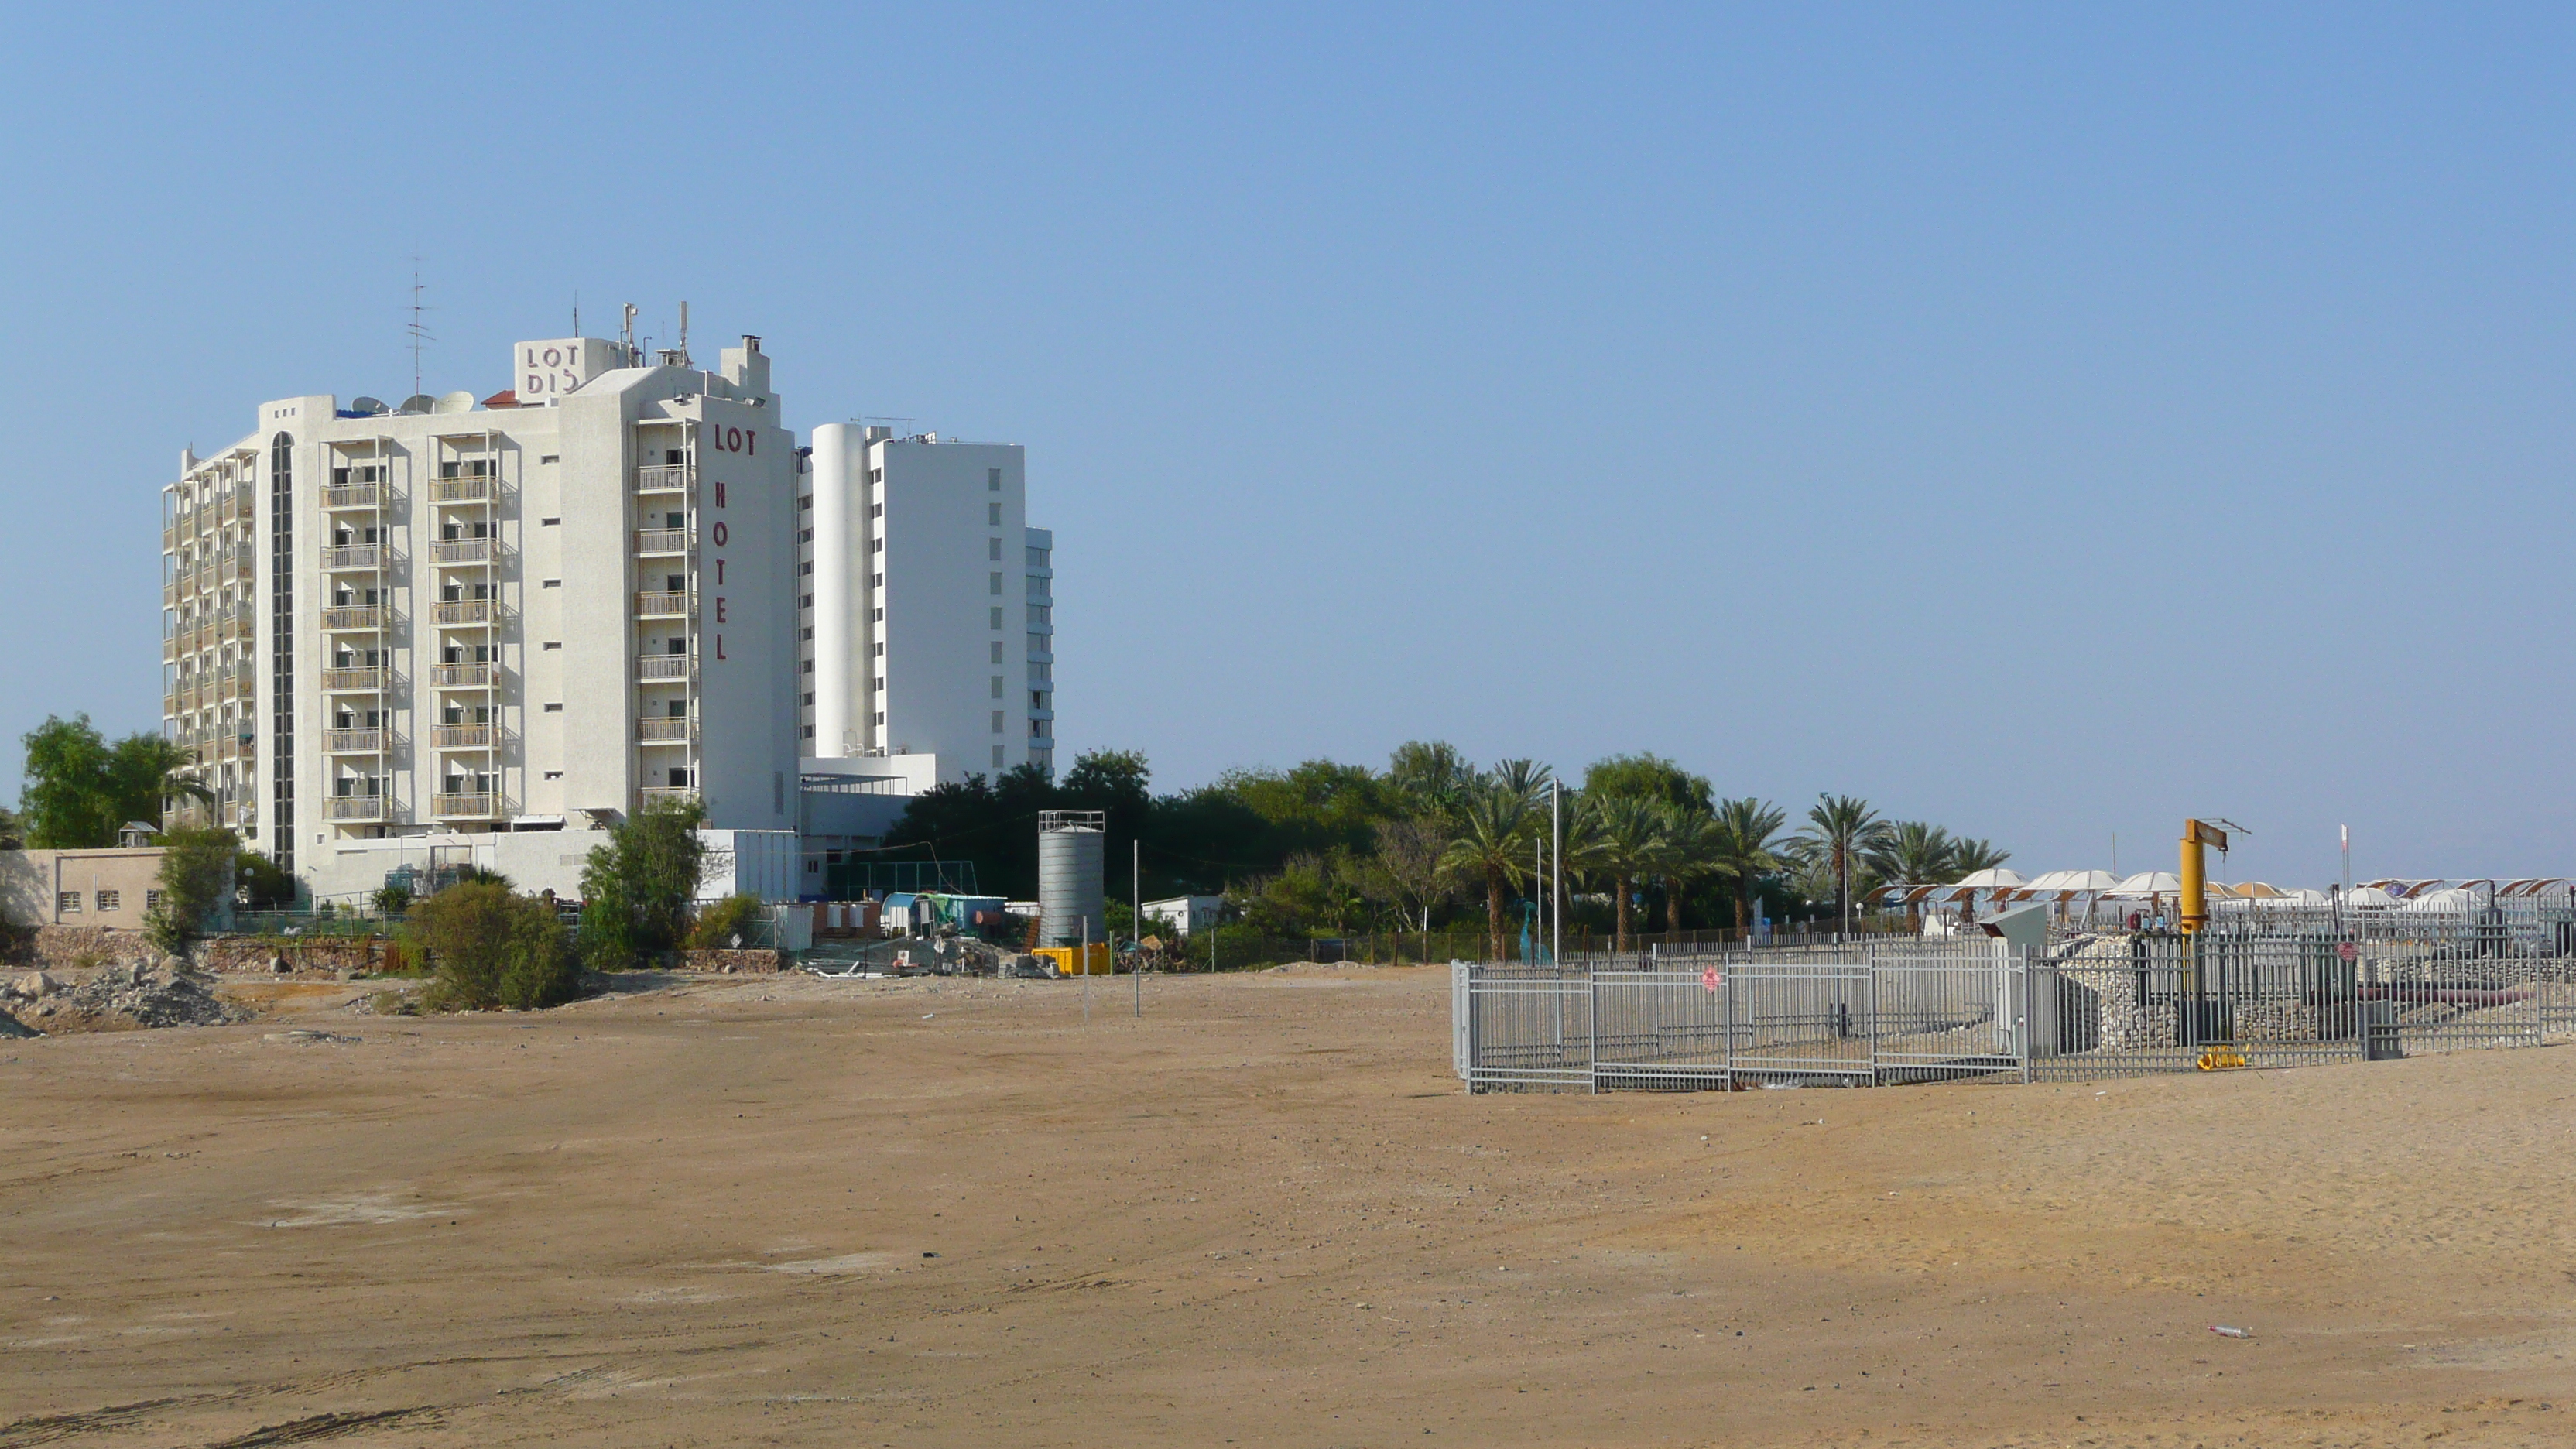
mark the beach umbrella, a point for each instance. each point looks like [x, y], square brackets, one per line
[1990, 880]
[2370, 896]
[2148, 883]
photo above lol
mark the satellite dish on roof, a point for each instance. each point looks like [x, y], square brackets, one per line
[417, 404]
[371, 407]
[454, 402]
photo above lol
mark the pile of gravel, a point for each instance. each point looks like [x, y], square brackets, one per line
[152, 994]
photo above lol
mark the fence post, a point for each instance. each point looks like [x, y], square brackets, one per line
[1592, 1029]
[2019, 997]
[1869, 962]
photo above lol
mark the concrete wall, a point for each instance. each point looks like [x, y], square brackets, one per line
[951, 566]
[34, 883]
[765, 862]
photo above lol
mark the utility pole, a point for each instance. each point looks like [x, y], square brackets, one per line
[1556, 869]
[1136, 918]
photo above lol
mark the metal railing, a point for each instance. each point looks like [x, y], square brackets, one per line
[650, 793]
[663, 729]
[354, 616]
[460, 736]
[354, 556]
[353, 742]
[1887, 1011]
[461, 551]
[460, 490]
[344, 680]
[662, 666]
[661, 540]
[461, 611]
[352, 495]
[473, 806]
[663, 477]
[661, 605]
[460, 676]
[354, 807]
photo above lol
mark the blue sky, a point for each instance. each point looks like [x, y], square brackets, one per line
[2051, 422]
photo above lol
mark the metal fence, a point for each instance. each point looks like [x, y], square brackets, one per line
[1872, 1013]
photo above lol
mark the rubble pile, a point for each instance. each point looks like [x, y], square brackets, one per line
[146, 993]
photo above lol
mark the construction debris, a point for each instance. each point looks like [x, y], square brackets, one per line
[157, 993]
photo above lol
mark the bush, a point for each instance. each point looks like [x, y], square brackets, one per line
[489, 947]
[721, 922]
[196, 877]
[636, 889]
[393, 900]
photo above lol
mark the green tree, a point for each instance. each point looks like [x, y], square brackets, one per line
[80, 789]
[260, 884]
[1489, 842]
[1968, 856]
[195, 880]
[1693, 849]
[636, 889]
[1647, 777]
[1747, 848]
[489, 946]
[1841, 830]
[13, 836]
[1428, 777]
[1915, 852]
[1411, 860]
[1625, 843]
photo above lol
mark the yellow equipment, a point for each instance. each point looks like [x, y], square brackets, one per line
[1091, 960]
[2196, 838]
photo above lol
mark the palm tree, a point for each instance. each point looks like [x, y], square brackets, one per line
[1968, 856]
[1693, 847]
[1746, 848]
[1626, 842]
[1491, 842]
[1841, 829]
[1914, 852]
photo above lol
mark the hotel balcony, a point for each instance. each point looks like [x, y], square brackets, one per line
[170, 648]
[657, 729]
[353, 616]
[461, 550]
[657, 542]
[461, 676]
[665, 477]
[465, 807]
[241, 566]
[461, 490]
[366, 680]
[461, 737]
[233, 623]
[462, 611]
[170, 539]
[664, 666]
[353, 742]
[650, 793]
[354, 556]
[662, 605]
[353, 495]
[234, 684]
[354, 807]
[239, 506]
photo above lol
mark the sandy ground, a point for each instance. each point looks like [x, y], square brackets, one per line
[750, 1211]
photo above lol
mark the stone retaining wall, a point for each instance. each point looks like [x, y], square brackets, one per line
[730, 961]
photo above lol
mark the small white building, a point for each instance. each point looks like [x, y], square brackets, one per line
[1185, 914]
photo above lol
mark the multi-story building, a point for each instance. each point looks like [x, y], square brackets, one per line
[454, 618]
[929, 625]
[616, 581]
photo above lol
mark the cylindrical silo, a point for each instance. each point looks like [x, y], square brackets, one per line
[1073, 891]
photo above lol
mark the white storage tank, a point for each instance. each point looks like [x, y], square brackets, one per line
[1073, 890]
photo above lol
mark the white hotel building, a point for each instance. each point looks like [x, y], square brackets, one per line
[390, 632]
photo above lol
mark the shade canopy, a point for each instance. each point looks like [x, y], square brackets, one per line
[1990, 880]
[2149, 883]
[2369, 896]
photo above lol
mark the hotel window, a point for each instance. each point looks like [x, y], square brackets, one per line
[993, 514]
[67, 903]
[993, 479]
[993, 550]
[108, 900]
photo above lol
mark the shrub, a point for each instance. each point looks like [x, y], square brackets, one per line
[196, 876]
[636, 888]
[489, 947]
[393, 900]
[721, 922]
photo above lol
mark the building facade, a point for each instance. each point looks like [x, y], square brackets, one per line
[615, 582]
[930, 618]
[454, 617]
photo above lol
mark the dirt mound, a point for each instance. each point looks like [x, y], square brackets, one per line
[143, 994]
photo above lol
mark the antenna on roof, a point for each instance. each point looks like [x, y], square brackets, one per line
[684, 334]
[629, 334]
[576, 311]
[419, 334]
